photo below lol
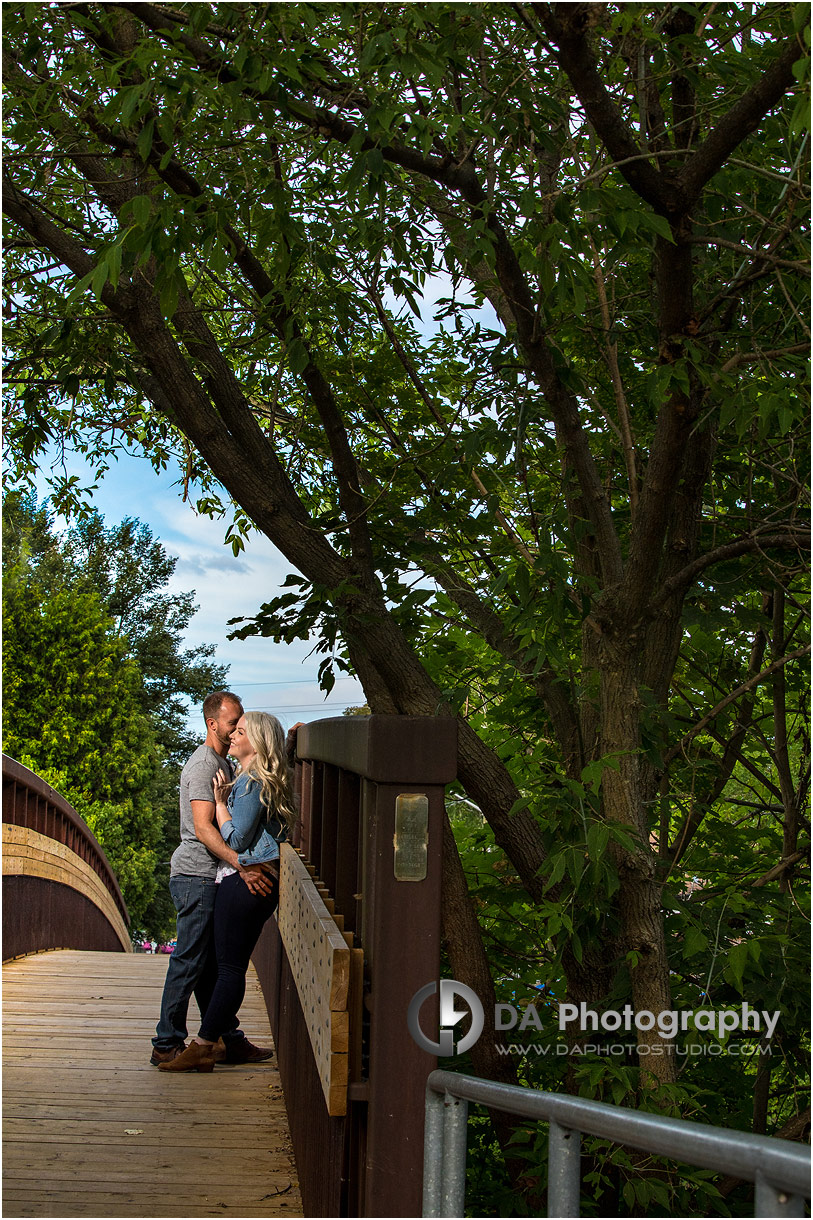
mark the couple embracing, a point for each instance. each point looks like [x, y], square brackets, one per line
[224, 881]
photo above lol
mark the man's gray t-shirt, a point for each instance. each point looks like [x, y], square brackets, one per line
[192, 858]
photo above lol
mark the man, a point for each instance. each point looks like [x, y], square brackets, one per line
[192, 966]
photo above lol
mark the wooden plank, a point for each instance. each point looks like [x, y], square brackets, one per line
[91, 1129]
[320, 964]
[152, 1132]
[96, 1204]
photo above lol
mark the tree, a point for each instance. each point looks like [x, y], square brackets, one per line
[71, 712]
[220, 219]
[95, 684]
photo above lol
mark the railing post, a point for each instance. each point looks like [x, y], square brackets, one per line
[323, 848]
[564, 1179]
[433, 1153]
[769, 1201]
[394, 912]
[301, 835]
[401, 939]
[453, 1187]
[348, 863]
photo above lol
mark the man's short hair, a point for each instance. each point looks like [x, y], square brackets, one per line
[213, 703]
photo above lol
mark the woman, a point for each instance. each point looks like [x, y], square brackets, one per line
[253, 813]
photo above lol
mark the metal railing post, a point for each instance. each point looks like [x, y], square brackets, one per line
[753, 1158]
[433, 1153]
[768, 1201]
[453, 1186]
[564, 1177]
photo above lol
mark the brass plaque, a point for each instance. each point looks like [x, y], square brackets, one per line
[411, 837]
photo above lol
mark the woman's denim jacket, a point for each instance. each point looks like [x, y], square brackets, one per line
[253, 832]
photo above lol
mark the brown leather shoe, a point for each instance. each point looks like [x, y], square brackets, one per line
[158, 1057]
[240, 1050]
[195, 1058]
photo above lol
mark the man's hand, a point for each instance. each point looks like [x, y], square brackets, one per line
[290, 743]
[257, 879]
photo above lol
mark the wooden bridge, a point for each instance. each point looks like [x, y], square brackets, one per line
[91, 1129]
[333, 1126]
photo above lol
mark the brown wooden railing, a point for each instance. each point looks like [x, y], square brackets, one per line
[59, 891]
[370, 830]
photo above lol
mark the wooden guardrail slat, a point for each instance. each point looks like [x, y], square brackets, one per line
[320, 962]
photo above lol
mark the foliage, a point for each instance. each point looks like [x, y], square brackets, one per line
[94, 684]
[569, 507]
[71, 709]
[127, 831]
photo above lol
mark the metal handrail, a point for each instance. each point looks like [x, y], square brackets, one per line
[780, 1169]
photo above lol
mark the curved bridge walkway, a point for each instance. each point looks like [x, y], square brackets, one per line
[91, 1129]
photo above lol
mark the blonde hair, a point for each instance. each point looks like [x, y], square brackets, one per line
[269, 767]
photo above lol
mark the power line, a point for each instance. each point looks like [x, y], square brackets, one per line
[298, 707]
[294, 681]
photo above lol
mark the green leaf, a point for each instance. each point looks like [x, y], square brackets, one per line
[169, 298]
[658, 224]
[694, 941]
[141, 210]
[145, 138]
[298, 357]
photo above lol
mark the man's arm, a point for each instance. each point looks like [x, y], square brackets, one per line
[209, 835]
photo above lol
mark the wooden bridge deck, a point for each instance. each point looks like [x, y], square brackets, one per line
[91, 1129]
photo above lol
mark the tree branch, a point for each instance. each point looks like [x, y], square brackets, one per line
[778, 869]
[566, 26]
[417, 381]
[793, 539]
[611, 352]
[743, 118]
[701, 804]
[732, 698]
[544, 683]
[462, 178]
[758, 256]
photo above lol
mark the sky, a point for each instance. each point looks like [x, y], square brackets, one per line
[269, 677]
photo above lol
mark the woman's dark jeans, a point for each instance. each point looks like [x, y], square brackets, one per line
[239, 919]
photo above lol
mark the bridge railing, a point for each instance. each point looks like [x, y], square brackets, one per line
[59, 891]
[780, 1169]
[369, 834]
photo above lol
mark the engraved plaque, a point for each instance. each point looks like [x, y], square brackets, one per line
[411, 836]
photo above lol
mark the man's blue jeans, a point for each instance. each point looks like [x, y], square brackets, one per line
[193, 966]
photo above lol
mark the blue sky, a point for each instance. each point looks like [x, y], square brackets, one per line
[270, 677]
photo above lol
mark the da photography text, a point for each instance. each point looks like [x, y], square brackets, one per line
[573, 1017]
[744, 1019]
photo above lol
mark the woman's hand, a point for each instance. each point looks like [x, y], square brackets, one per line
[219, 785]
